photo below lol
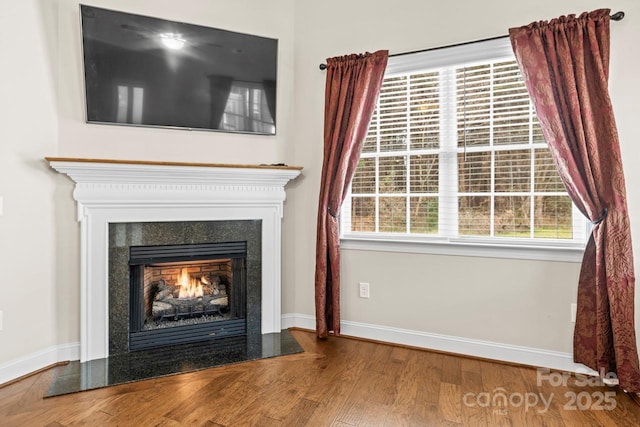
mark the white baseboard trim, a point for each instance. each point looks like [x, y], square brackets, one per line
[469, 347]
[297, 320]
[33, 362]
[465, 346]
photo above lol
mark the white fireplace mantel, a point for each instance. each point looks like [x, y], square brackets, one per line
[114, 191]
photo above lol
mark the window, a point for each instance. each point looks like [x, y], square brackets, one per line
[129, 105]
[247, 109]
[455, 153]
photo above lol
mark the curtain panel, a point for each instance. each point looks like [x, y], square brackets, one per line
[352, 86]
[565, 65]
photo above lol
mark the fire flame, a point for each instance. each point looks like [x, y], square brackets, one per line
[189, 287]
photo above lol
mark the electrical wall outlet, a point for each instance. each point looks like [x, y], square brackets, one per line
[364, 290]
[574, 311]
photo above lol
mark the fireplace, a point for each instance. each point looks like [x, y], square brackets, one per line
[186, 293]
[123, 204]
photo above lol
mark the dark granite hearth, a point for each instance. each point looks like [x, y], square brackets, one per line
[159, 362]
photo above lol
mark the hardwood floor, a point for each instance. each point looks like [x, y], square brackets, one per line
[335, 382]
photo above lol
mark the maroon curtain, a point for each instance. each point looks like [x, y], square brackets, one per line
[565, 65]
[352, 88]
[219, 90]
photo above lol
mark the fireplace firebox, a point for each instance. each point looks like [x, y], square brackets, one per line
[186, 293]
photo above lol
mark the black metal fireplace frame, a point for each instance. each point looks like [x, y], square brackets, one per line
[139, 256]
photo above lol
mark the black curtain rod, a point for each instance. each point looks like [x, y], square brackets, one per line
[615, 17]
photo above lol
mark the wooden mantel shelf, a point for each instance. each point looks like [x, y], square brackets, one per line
[186, 164]
[169, 176]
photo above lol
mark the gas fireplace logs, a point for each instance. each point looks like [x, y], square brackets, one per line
[205, 295]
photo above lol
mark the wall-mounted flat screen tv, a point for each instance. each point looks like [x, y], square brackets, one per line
[145, 71]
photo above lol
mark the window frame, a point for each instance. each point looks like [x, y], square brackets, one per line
[496, 49]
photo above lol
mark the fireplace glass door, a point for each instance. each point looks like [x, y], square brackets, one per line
[186, 293]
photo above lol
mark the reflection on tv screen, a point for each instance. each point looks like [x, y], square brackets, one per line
[145, 71]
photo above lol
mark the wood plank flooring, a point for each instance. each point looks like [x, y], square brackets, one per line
[335, 382]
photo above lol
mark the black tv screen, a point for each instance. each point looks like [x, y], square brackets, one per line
[145, 71]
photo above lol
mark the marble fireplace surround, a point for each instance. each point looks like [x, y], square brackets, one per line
[117, 191]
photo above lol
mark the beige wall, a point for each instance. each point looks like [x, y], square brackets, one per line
[515, 302]
[28, 288]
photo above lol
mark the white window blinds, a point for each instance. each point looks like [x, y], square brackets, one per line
[455, 150]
